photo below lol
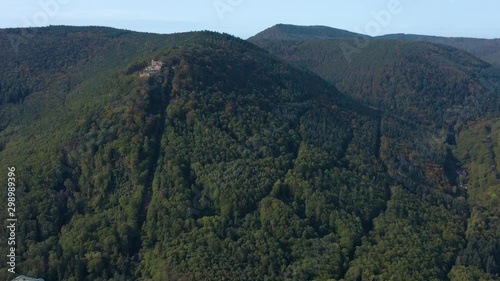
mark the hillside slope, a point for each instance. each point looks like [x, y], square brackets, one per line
[486, 49]
[226, 164]
[429, 84]
[446, 90]
[295, 32]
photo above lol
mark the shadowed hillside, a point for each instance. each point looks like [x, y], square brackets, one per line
[426, 83]
[433, 86]
[295, 32]
[485, 49]
[199, 156]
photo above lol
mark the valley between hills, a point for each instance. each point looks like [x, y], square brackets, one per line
[293, 155]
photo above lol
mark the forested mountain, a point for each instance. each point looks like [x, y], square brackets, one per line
[449, 92]
[485, 49]
[429, 84]
[227, 163]
[296, 32]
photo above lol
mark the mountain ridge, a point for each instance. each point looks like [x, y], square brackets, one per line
[227, 164]
[202, 144]
[288, 31]
[395, 76]
[486, 49]
[439, 77]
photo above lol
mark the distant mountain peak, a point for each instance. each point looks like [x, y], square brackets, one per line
[291, 32]
[485, 49]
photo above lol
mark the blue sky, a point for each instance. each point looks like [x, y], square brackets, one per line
[244, 18]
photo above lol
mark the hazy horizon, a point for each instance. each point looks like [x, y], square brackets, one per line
[246, 18]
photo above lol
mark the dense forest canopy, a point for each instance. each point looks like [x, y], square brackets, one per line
[430, 84]
[485, 49]
[230, 164]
